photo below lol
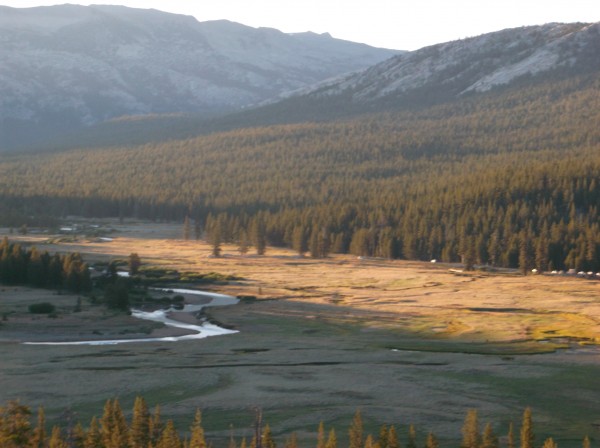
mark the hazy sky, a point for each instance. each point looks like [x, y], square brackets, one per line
[400, 24]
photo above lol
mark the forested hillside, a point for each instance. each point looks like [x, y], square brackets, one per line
[507, 178]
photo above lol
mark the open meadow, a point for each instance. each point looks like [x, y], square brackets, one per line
[404, 342]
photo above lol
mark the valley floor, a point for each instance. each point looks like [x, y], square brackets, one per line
[405, 342]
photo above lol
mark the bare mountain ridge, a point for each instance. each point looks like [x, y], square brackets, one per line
[474, 65]
[66, 66]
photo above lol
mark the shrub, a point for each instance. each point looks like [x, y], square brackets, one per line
[42, 308]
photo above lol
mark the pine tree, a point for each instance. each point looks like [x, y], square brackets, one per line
[431, 441]
[586, 442]
[215, 239]
[292, 441]
[116, 432]
[78, 436]
[243, 242]
[369, 443]
[15, 427]
[93, 438]
[39, 433]
[139, 432]
[527, 436]
[550, 443]
[56, 440]
[321, 435]
[169, 437]
[382, 441]
[510, 438]
[355, 433]
[392, 439]
[267, 438]
[331, 439]
[187, 228]
[134, 262]
[470, 430]
[197, 432]
[155, 426]
[489, 438]
[412, 437]
[259, 236]
[299, 242]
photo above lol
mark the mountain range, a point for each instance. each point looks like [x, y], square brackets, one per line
[67, 66]
[106, 75]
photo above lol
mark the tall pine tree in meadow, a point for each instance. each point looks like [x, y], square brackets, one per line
[197, 432]
[412, 437]
[392, 438]
[527, 435]
[93, 438]
[489, 438]
[139, 432]
[355, 433]
[169, 437]
[431, 441]
[331, 439]
[470, 430]
[321, 435]
[39, 433]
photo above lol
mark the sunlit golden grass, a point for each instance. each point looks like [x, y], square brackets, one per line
[423, 298]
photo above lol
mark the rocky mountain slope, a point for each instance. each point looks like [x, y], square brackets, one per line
[66, 66]
[474, 65]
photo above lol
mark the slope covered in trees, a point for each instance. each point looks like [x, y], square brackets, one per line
[508, 178]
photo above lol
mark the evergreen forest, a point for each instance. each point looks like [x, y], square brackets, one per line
[508, 178]
[146, 428]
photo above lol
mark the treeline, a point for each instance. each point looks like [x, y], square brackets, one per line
[147, 429]
[20, 266]
[507, 179]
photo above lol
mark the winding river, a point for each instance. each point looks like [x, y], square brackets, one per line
[203, 330]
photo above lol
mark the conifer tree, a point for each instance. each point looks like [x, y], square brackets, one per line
[586, 442]
[549, 443]
[369, 442]
[489, 438]
[93, 438]
[267, 438]
[169, 437]
[187, 228]
[382, 441]
[355, 433]
[392, 439]
[292, 441]
[259, 236]
[331, 439]
[510, 438]
[15, 427]
[56, 440]
[470, 430]
[299, 242]
[39, 433]
[412, 437]
[243, 242]
[139, 432]
[77, 436]
[197, 432]
[431, 441]
[321, 435]
[232, 443]
[134, 262]
[155, 426]
[527, 435]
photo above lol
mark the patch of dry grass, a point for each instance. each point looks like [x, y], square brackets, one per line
[418, 297]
